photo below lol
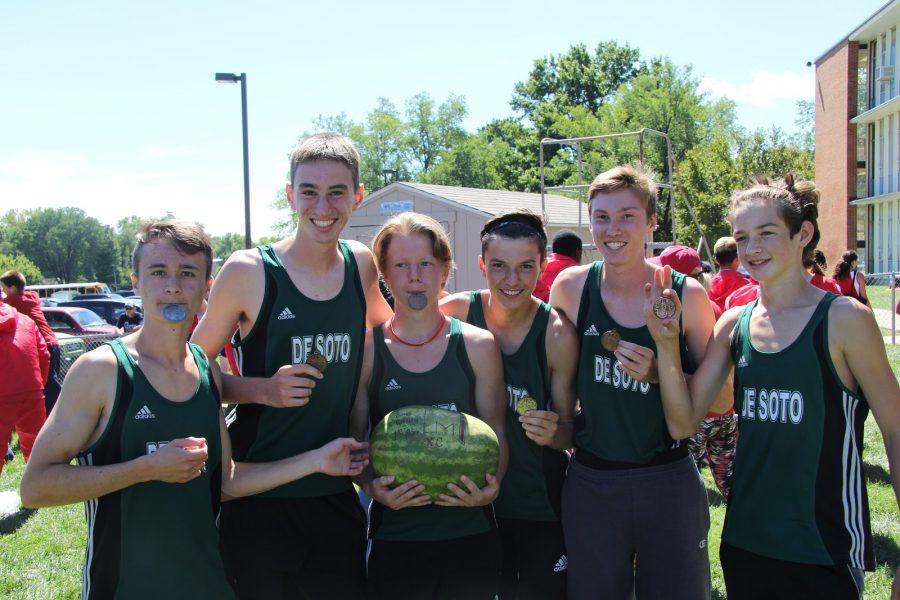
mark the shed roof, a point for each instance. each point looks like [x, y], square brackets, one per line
[560, 209]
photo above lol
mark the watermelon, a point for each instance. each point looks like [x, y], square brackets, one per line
[435, 447]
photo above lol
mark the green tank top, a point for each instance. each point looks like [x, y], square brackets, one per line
[532, 486]
[290, 326]
[799, 491]
[449, 385]
[155, 539]
[622, 424]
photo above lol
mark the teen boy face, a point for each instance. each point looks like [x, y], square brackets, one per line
[620, 226]
[166, 276]
[323, 196]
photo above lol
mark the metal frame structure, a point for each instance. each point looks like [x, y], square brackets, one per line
[580, 188]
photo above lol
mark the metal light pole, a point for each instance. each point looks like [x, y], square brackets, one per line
[232, 78]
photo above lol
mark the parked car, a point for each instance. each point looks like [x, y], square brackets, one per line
[93, 296]
[49, 301]
[63, 296]
[108, 308]
[70, 348]
[77, 321]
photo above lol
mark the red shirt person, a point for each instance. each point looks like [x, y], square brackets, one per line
[24, 364]
[728, 279]
[818, 274]
[28, 303]
[566, 253]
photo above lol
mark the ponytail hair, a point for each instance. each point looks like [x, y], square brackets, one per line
[842, 269]
[796, 200]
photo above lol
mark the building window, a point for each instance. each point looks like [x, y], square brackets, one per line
[872, 100]
[880, 160]
[889, 165]
[890, 237]
[861, 234]
[870, 163]
[892, 55]
[879, 238]
[862, 79]
[870, 239]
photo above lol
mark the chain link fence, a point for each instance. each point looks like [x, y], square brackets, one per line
[76, 345]
[882, 292]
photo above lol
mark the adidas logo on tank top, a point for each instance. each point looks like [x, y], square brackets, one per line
[285, 314]
[591, 331]
[562, 564]
[144, 413]
[392, 385]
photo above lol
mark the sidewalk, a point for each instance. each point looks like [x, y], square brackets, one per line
[883, 318]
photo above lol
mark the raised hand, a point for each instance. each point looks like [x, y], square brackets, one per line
[291, 386]
[403, 496]
[342, 457]
[472, 495]
[662, 330]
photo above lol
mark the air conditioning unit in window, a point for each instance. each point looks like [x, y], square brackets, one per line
[885, 73]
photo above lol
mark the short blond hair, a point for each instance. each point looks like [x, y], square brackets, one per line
[327, 146]
[409, 223]
[638, 179]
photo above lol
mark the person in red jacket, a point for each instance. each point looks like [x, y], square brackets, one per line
[566, 253]
[28, 303]
[728, 279]
[24, 365]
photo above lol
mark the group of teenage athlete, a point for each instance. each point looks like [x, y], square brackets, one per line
[622, 365]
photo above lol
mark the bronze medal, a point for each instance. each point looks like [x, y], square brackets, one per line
[317, 361]
[610, 340]
[664, 308]
[525, 404]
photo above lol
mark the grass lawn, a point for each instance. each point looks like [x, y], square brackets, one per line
[42, 551]
[880, 296]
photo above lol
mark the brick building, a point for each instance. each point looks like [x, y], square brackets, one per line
[858, 143]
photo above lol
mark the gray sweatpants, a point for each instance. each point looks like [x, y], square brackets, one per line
[636, 532]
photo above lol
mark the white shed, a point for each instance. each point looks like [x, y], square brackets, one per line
[463, 212]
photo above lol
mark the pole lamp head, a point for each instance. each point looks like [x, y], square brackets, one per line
[227, 78]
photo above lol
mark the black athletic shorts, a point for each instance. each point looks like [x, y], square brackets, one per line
[466, 568]
[749, 576]
[309, 548]
[534, 560]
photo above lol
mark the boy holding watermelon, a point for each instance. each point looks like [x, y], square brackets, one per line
[422, 546]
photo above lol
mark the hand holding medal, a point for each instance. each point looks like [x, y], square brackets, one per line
[662, 307]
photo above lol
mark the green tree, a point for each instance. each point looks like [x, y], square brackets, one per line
[66, 244]
[224, 245]
[17, 262]
[577, 77]
[470, 163]
[126, 238]
[433, 129]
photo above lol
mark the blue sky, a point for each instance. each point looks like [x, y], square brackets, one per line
[112, 107]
